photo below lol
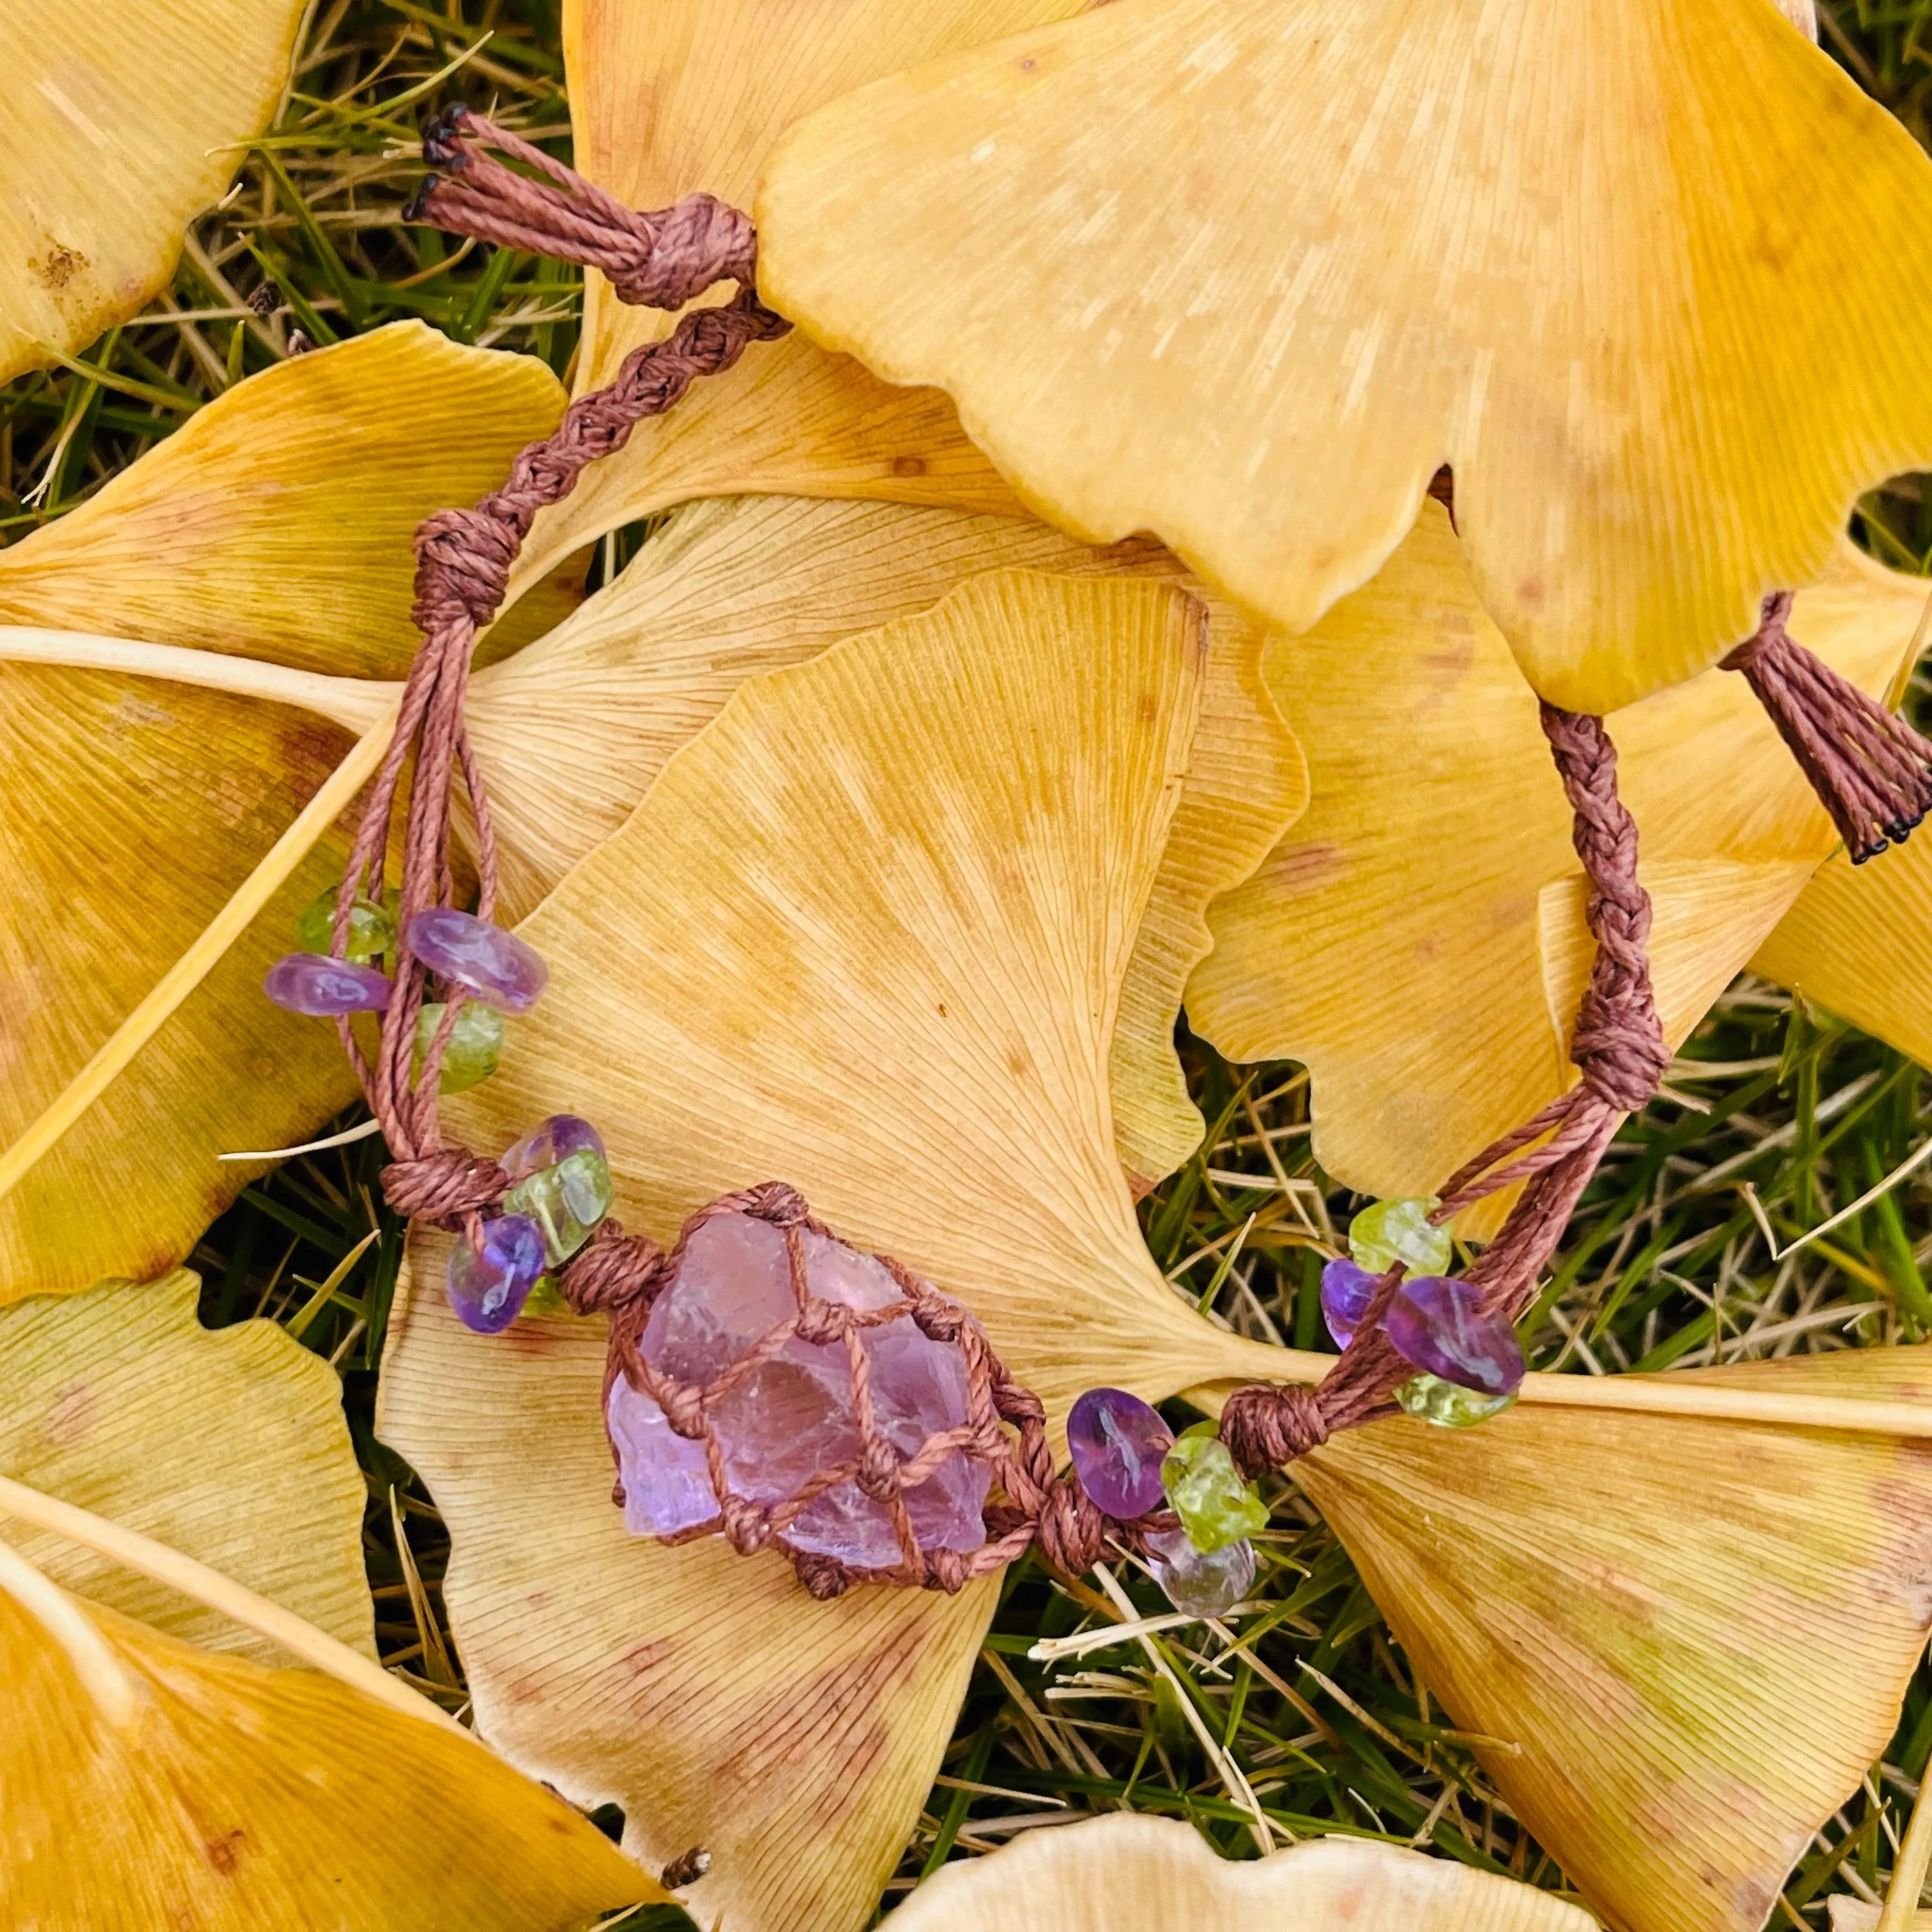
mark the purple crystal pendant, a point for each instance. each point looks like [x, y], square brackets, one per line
[793, 1415]
[489, 964]
[488, 1290]
[1438, 1323]
[313, 983]
[1118, 1442]
[1347, 1289]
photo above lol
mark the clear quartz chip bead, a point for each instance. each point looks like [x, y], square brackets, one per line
[1200, 1582]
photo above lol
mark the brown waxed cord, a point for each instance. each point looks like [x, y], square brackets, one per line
[665, 259]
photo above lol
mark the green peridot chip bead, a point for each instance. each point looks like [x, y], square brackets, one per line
[1205, 1490]
[1387, 1231]
[566, 1201]
[372, 928]
[1449, 1405]
[475, 1042]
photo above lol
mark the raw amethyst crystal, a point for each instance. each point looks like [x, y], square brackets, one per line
[792, 1416]
[489, 964]
[488, 1290]
[666, 1486]
[1347, 1289]
[1118, 1442]
[312, 983]
[1438, 1324]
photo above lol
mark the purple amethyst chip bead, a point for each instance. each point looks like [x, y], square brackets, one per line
[314, 983]
[1438, 1323]
[488, 1291]
[1347, 1289]
[1118, 1442]
[550, 1142]
[489, 964]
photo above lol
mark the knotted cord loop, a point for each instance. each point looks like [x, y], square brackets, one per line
[1871, 771]
[660, 259]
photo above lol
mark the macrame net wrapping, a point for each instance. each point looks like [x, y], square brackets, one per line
[1854, 752]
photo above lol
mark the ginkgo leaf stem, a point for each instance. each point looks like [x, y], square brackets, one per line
[355, 703]
[195, 1579]
[336, 794]
[1685, 1395]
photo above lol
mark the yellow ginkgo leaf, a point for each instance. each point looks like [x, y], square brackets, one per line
[1678, 1710]
[229, 1446]
[163, 1764]
[1130, 1873]
[1425, 915]
[573, 729]
[119, 122]
[1339, 250]
[276, 522]
[867, 933]
[1859, 942]
[130, 809]
[690, 95]
[233, 1797]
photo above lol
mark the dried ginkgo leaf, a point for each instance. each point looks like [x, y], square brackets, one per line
[1338, 249]
[868, 933]
[1859, 942]
[129, 808]
[573, 729]
[119, 122]
[1437, 846]
[117, 1400]
[162, 1764]
[1130, 1873]
[1683, 1709]
[722, 80]
[152, 1783]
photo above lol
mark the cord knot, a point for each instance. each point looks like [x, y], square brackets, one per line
[1266, 1426]
[443, 1185]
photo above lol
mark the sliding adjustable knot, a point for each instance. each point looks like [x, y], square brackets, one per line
[680, 251]
[463, 568]
[1871, 771]
[443, 1185]
[1619, 1044]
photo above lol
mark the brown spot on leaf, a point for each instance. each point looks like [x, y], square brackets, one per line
[57, 268]
[224, 1854]
[1531, 592]
[71, 1416]
[908, 465]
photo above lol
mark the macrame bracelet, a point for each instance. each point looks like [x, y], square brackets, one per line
[944, 1470]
